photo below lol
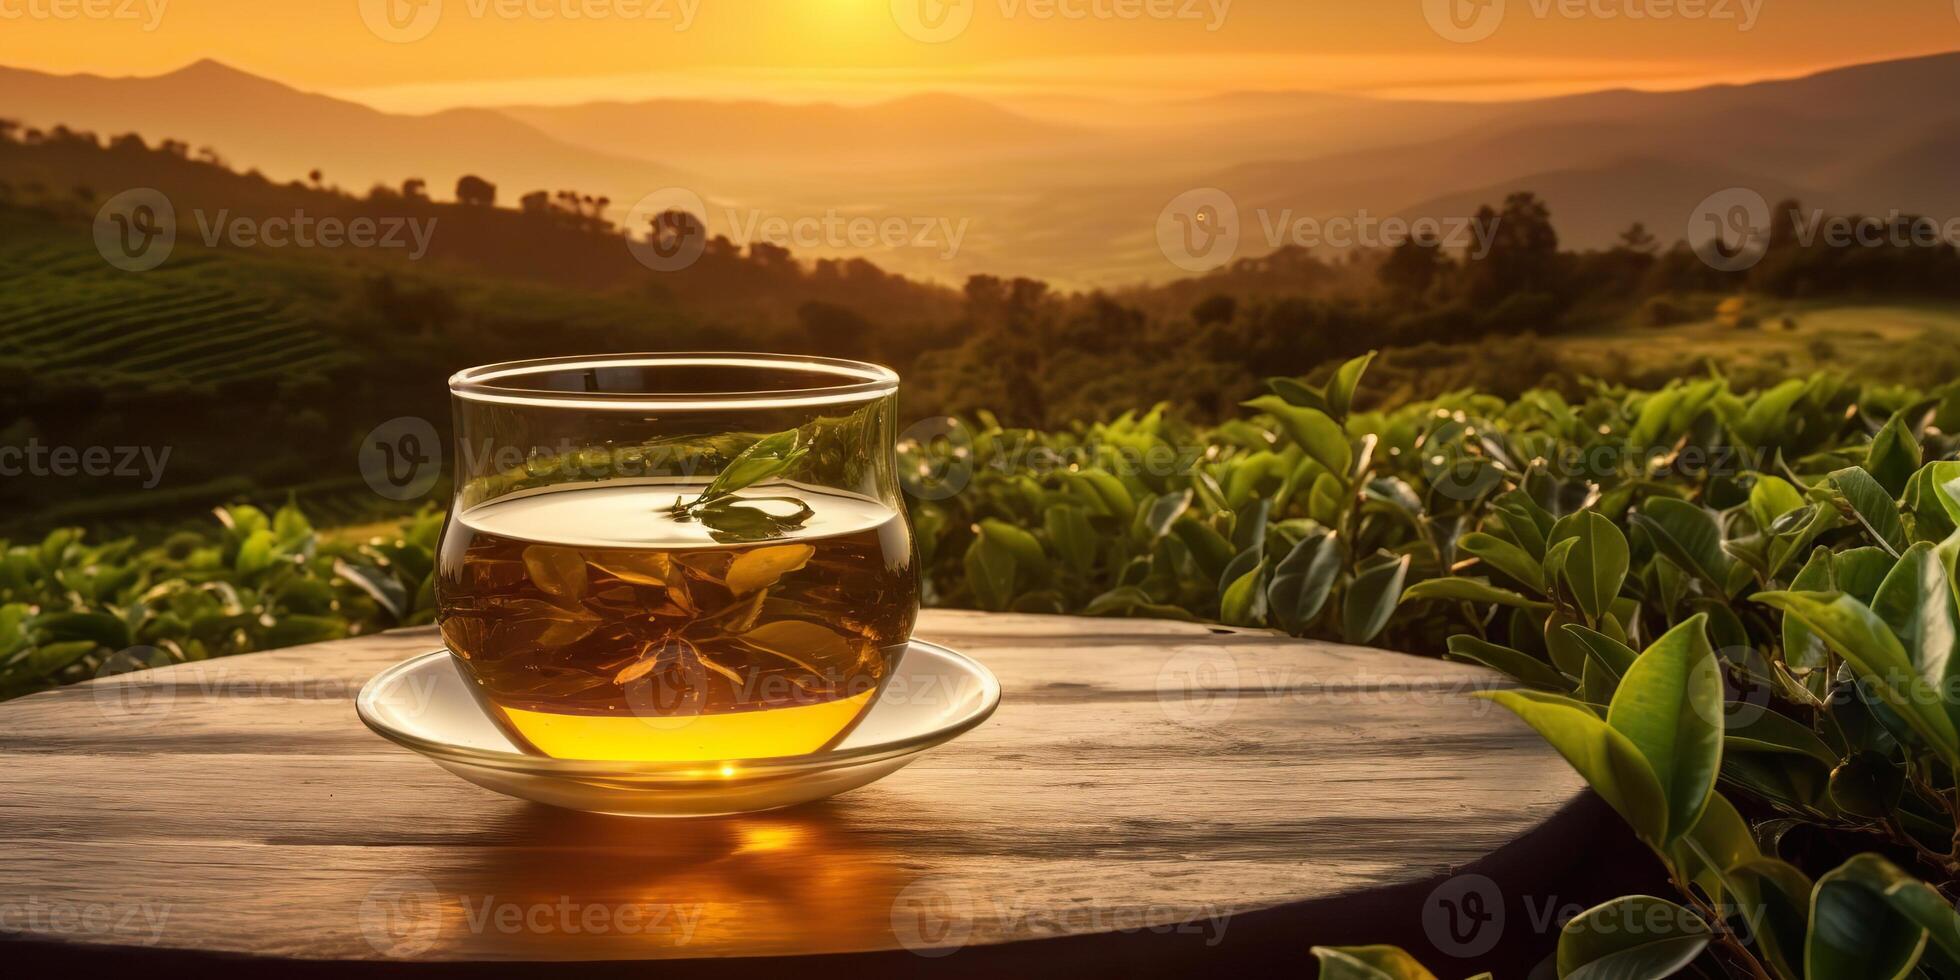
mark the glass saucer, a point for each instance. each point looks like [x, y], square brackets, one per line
[426, 703]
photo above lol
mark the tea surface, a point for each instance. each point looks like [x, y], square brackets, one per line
[599, 626]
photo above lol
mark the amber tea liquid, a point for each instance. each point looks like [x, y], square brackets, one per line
[599, 626]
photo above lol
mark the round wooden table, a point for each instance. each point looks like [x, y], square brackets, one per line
[1143, 784]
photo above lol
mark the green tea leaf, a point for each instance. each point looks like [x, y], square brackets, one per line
[1894, 456]
[1633, 937]
[1611, 764]
[1312, 430]
[1917, 600]
[1690, 535]
[1669, 705]
[1470, 590]
[1772, 497]
[1859, 497]
[1774, 898]
[1597, 564]
[1856, 932]
[1507, 558]
[1303, 579]
[1874, 654]
[1523, 667]
[990, 573]
[1296, 393]
[1615, 657]
[1908, 896]
[1244, 601]
[1074, 539]
[1368, 963]
[1371, 599]
[767, 457]
[1164, 512]
[1340, 390]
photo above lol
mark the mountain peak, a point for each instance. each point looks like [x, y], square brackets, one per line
[211, 71]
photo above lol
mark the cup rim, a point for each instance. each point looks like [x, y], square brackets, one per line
[857, 381]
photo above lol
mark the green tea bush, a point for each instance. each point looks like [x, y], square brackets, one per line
[1698, 591]
[70, 610]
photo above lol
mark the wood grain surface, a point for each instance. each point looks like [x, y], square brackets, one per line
[1138, 776]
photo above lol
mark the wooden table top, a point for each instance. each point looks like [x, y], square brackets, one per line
[1139, 775]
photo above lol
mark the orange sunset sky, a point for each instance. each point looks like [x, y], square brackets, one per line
[503, 51]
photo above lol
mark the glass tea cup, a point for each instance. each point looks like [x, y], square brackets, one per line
[677, 557]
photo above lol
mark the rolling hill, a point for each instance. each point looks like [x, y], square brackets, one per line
[1070, 189]
[285, 133]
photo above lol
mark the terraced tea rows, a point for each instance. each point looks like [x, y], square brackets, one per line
[197, 319]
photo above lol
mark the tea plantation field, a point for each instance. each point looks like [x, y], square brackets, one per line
[198, 320]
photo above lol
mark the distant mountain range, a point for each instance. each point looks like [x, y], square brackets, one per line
[1070, 190]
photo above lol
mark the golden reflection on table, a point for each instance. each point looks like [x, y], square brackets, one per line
[624, 887]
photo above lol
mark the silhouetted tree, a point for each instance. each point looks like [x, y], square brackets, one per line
[1216, 308]
[1412, 267]
[673, 228]
[1523, 251]
[415, 189]
[1638, 239]
[475, 191]
[834, 329]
